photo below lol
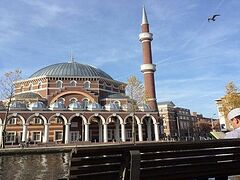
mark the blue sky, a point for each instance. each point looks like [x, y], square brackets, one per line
[195, 59]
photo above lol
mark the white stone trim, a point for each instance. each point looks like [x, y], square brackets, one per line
[145, 36]
[148, 67]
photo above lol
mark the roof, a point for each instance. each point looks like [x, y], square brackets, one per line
[27, 95]
[169, 103]
[70, 69]
[117, 96]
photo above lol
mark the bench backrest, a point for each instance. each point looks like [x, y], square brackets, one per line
[175, 160]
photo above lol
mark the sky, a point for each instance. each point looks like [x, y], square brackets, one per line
[195, 58]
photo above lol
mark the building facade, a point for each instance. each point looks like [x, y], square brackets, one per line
[69, 102]
[180, 124]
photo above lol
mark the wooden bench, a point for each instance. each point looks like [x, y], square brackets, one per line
[149, 161]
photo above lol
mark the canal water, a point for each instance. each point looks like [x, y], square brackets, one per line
[32, 167]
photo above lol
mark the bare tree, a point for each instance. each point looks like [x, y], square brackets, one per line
[7, 90]
[135, 91]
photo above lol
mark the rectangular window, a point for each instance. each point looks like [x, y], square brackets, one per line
[10, 136]
[36, 136]
[58, 135]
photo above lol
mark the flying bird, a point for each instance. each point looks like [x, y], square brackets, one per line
[212, 18]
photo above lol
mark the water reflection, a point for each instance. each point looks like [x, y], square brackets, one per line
[31, 167]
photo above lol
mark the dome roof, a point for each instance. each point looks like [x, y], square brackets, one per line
[57, 106]
[118, 96]
[17, 105]
[76, 106]
[71, 69]
[37, 106]
[27, 95]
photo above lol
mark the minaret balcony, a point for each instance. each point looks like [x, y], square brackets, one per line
[148, 67]
[145, 36]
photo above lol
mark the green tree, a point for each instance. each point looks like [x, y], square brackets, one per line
[7, 90]
[232, 98]
[135, 91]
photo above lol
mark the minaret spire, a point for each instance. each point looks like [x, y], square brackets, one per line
[144, 16]
[148, 68]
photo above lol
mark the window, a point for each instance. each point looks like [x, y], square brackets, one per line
[117, 103]
[40, 85]
[10, 137]
[128, 133]
[73, 100]
[61, 100]
[85, 103]
[59, 120]
[104, 85]
[36, 136]
[74, 135]
[58, 135]
[37, 120]
[30, 87]
[59, 84]
[12, 121]
[73, 83]
[87, 85]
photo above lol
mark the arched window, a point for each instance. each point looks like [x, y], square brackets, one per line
[40, 85]
[73, 83]
[118, 104]
[61, 100]
[59, 84]
[87, 85]
[85, 103]
[30, 87]
[72, 100]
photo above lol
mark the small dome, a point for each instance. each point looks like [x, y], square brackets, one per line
[126, 107]
[57, 106]
[94, 106]
[70, 69]
[111, 107]
[17, 105]
[76, 106]
[37, 106]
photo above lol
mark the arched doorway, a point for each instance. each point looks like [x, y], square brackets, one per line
[77, 131]
[148, 129]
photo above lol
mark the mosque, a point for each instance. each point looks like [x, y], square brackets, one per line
[69, 102]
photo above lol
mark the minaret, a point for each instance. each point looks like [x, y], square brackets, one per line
[148, 68]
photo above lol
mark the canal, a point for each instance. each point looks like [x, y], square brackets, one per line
[32, 167]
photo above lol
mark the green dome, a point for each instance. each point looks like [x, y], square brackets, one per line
[70, 69]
